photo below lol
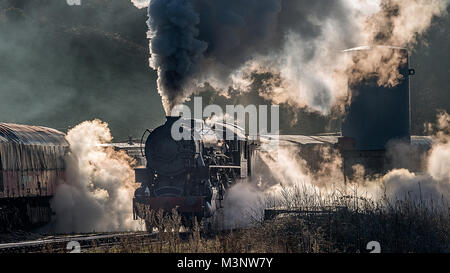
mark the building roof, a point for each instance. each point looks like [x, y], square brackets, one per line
[31, 135]
[287, 140]
[360, 48]
[422, 140]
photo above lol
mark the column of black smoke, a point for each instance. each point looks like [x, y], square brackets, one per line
[197, 41]
[174, 46]
[224, 42]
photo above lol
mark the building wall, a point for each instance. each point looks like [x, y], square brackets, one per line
[379, 114]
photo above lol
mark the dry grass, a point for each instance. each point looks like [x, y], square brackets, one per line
[348, 223]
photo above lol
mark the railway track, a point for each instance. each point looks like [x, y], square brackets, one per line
[78, 243]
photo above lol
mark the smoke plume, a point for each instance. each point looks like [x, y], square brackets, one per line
[223, 43]
[99, 189]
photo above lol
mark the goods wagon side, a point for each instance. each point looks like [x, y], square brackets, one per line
[31, 164]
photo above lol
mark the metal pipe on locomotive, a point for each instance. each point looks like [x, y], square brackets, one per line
[190, 175]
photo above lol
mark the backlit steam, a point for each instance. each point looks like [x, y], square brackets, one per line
[290, 170]
[99, 189]
[397, 23]
[284, 179]
[225, 42]
[436, 182]
[140, 3]
[439, 159]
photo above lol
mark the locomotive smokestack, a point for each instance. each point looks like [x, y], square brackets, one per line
[172, 119]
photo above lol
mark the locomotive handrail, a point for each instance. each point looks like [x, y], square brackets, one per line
[142, 138]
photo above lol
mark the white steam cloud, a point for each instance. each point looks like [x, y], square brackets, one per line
[140, 4]
[435, 182]
[100, 184]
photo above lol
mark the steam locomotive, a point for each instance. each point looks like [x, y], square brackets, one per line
[191, 174]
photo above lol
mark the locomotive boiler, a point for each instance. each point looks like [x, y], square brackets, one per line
[191, 174]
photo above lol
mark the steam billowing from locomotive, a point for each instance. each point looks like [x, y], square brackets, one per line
[223, 44]
[99, 187]
[287, 180]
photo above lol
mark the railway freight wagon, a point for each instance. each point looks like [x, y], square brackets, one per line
[31, 164]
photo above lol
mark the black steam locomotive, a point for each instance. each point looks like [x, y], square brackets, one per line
[191, 174]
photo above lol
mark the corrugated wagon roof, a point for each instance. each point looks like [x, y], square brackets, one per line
[31, 135]
[28, 148]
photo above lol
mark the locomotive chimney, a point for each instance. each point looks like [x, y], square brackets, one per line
[172, 119]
